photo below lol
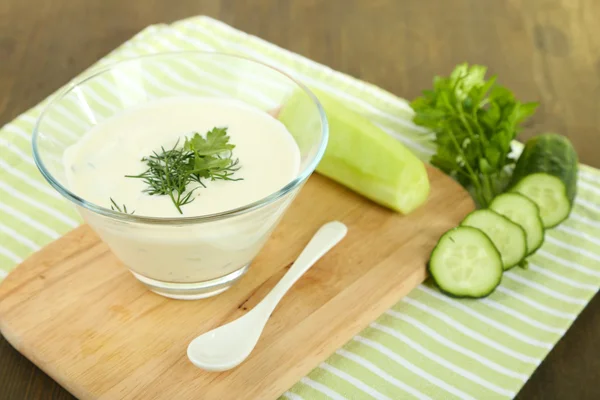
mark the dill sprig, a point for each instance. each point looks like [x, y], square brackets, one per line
[171, 171]
[115, 207]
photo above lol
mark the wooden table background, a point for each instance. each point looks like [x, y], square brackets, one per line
[544, 50]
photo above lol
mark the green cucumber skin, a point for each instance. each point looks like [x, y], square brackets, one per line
[481, 296]
[532, 251]
[551, 154]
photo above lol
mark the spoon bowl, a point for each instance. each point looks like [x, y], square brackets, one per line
[222, 348]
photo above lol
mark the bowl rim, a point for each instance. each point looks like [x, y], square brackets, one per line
[95, 72]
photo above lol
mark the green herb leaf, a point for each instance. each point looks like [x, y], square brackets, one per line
[115, 207]
[474, 122]
[216, 142]
[170, 172]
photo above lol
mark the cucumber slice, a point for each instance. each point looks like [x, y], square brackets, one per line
[524, 212]
[546, 172]
[465, 263]
[509, 238]
[360, 155]
[548, 192]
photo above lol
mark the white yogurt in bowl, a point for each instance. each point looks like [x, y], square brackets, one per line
[98, 165]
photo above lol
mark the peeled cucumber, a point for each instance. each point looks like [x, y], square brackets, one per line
[360, 155]
[546, 172]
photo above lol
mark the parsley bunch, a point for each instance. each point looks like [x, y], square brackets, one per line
[474, 122]
[171, 171]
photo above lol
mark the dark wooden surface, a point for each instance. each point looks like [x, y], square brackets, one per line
[544, 50]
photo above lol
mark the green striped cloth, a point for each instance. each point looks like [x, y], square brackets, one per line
[427, 345]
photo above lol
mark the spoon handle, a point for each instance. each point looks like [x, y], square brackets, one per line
[326, 237]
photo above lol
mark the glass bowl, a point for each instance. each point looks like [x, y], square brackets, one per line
[187, 257]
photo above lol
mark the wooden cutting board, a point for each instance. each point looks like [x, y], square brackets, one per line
[79, 315]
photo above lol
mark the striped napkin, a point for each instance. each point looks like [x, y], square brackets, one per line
[428, 345]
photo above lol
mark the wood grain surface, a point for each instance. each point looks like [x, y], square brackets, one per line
[545, 50]
[76, 311]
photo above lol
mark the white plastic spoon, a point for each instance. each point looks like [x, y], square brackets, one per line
[229, 345]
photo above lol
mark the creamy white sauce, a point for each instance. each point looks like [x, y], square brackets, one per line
[268, 158]
[96, 165]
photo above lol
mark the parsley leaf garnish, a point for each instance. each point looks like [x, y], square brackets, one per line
[217, 141]
[474, 122]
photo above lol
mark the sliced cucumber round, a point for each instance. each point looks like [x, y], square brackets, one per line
[548, 192]
[524, 212]
[509, 238]
[465, 263]
[546, 172]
